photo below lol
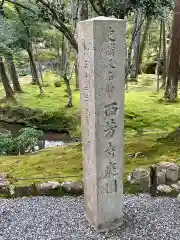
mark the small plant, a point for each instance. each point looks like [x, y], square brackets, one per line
[7, 144]
[57, 83]
[29, 139]
[50, 76]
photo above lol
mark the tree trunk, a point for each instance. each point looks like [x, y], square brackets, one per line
[13, 73]
[33, 67]
[35, 79]
[76, 73]
[135, 68]
[144, 39]
[128, 60]
[39, 65]
[5, 80]
[164, 54]
[129, 52]
[63, 55]
[40, 71]
[159, 57]
[168, 83]
[69, 92]
[84, 10]
[173, 71]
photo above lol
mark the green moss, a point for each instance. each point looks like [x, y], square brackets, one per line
[65, 163]
[62, 163]
[144, 114]
[143, 110]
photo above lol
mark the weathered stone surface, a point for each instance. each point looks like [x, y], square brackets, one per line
[46, 187]
[102, 71]
[73, 188]
[161, 178]
[171, 170]
[178, 197]
[164, 188]
[22, 191]
[139, 176]
[4, 184]
[175, 186]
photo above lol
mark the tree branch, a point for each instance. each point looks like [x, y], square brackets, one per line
[21, 5]
[103, 10]
[22, 20]
[62, 26]
[1, 4]
[94, 7]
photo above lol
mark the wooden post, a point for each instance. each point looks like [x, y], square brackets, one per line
[153, 181]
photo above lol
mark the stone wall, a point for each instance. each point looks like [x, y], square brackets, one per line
[168, 178]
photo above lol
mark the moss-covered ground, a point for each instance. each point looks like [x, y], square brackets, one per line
[147, 118]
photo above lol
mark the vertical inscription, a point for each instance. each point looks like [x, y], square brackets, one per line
[109, 187]
[86, 90]
[110, 112]
[86, 94]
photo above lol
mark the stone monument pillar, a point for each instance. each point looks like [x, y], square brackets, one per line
[101, 44]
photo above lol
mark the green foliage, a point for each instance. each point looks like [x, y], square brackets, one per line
[156, 8]
[60, 9]
[50, 76]
[28, 139]
[25, 24]
[46, 55]
[121, 8]
[6, 36]
[7, 144]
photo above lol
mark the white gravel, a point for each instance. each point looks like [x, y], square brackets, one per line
[49, 218]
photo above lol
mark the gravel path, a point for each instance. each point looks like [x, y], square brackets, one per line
[48, 218]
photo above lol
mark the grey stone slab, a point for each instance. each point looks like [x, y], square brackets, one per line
[101, 43]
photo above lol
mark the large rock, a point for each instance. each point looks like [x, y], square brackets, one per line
[46, 187]
[170, 169]
[139, 176]
[175, 186]
[161, 178]
[73, 188]
[164, 189]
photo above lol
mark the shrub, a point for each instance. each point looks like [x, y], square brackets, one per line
[7, 144]
[28, 139]
[57, 83]
[50, 76]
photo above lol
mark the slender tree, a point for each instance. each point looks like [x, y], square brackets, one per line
[171, 91]
[144, 38]
[159, 56]
[5, 81]
[13, 72]
[164, 54]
